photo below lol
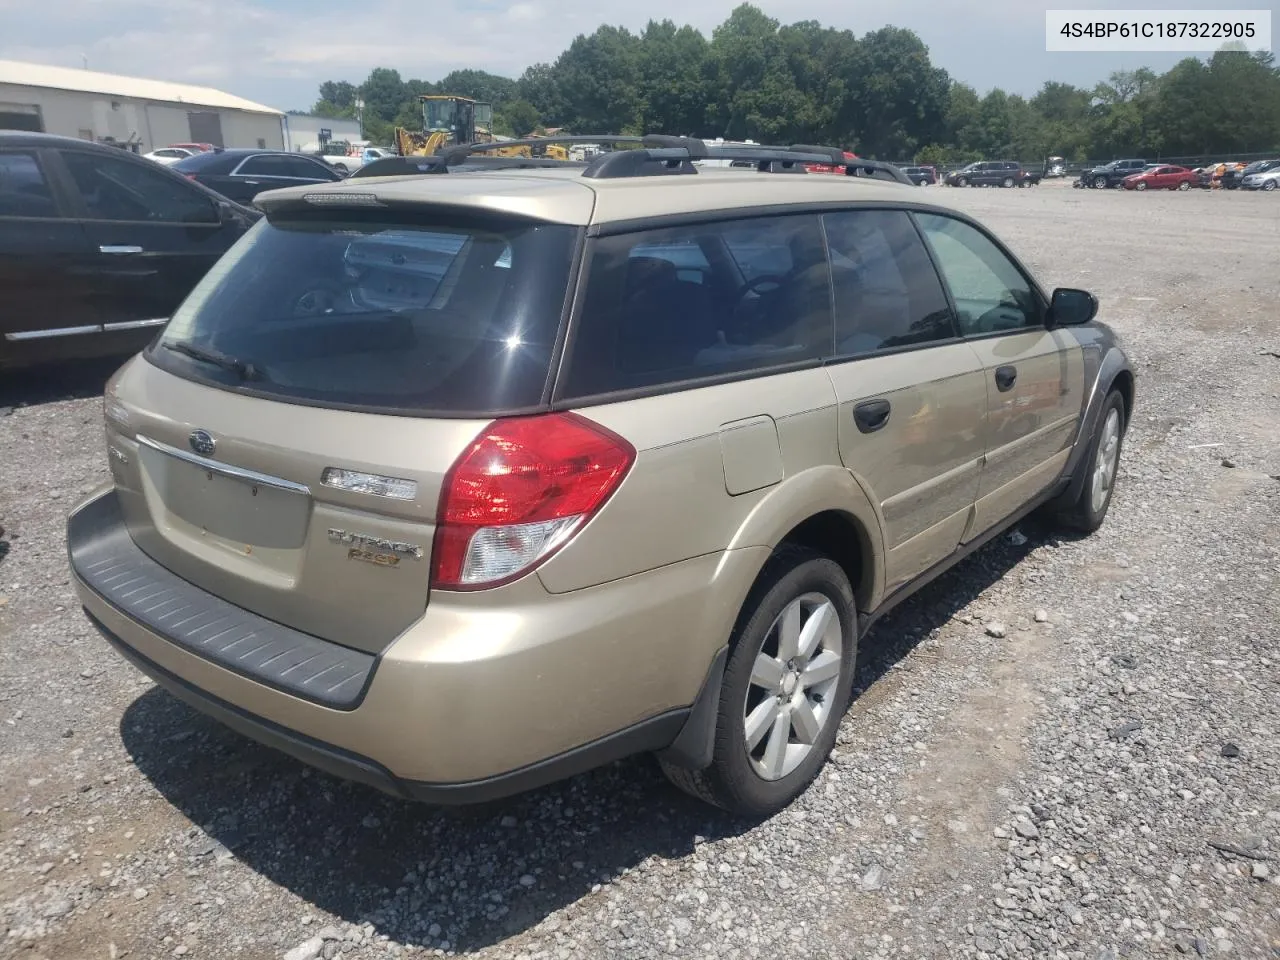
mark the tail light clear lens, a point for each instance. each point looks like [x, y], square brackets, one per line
[519, 492]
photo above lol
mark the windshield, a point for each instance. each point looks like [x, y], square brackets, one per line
[439, 114]
[439, 317]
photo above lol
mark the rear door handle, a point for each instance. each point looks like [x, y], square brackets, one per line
[871, 415]
[121, 249]
[1005, 378]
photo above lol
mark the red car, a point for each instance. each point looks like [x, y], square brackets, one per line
[827, 168]
[1161, 178]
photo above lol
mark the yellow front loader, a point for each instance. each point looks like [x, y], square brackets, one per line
[451, 120]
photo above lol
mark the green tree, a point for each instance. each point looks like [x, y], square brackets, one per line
[478, 85]
[899, 96]
[384, 94]
[540, 86]
[671, 71]
[753, 92]
[517, 118]
[598, 79]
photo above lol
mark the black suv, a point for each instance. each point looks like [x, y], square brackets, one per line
[98, 246]
[1111, 174]
[988, 173]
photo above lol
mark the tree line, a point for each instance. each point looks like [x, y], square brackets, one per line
[879, 94]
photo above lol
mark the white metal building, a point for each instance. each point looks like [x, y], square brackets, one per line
[302, 130]
[147, 113]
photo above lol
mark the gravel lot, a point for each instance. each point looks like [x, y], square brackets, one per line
[1063, 749]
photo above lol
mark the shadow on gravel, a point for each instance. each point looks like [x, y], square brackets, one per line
[73, 380]
[484, 874]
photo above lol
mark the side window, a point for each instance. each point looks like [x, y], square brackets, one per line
[265, 165]
[990, 293]
[115, 189]
[762, 301]
[887, 292]
[23, 190]
[306, 169]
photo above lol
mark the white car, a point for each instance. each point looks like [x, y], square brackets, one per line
[168, 155]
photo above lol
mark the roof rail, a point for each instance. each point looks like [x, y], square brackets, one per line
[656, 155]
[452, 156]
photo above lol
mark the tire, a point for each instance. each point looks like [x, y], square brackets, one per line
[962, 182]
[754, 781]
[1184, 185]
[1007, 182]
[1269, 185]
[1100, 183]
[1088, 512]
[922, 183]
[1140, 185]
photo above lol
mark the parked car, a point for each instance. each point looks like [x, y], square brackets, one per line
[1232, 179]
[381, 499]
[1267, 177]
[1110, 174]
[243, 174]
[1055, 167]
[922, 176]
[990, 173]
[1161, 177]
[169, 155]
[98, 247]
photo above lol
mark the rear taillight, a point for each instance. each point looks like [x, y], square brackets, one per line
[519, 492]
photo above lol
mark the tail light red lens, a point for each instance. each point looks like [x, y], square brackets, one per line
[519, 492]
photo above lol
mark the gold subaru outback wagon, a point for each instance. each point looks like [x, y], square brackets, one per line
[467, 479]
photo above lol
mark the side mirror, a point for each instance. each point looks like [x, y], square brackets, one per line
[1071, 308]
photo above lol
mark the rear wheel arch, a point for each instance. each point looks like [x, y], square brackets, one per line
[825, 510]
[842, 538]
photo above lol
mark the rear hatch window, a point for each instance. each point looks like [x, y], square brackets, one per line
[428, 314]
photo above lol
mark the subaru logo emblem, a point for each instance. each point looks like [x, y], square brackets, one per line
[202, 442]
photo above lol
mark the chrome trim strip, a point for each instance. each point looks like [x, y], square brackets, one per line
[120, 248]
[226, 469]
[135, 324]
[53, 332]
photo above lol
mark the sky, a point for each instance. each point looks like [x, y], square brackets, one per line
[278, 52]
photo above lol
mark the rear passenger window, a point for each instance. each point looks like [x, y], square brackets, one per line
[682, 303]
[887, 293]
[23, 191]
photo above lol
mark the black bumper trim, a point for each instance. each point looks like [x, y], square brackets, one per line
[652, 734]
[109, 563]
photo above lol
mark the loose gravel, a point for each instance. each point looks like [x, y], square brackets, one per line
[1065, 748]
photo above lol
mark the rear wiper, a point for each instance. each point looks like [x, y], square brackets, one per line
[245, 370]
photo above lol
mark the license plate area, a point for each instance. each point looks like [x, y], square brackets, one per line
[224, 504]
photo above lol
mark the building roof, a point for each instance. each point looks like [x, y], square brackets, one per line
[109, 84]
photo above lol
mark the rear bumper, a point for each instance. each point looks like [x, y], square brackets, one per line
[653, 734]
[488, 694]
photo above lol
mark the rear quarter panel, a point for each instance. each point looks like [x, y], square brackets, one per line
[693, 448]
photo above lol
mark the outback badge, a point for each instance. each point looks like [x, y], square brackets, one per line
[377, 550]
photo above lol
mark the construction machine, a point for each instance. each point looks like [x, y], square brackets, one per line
[449, 120]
